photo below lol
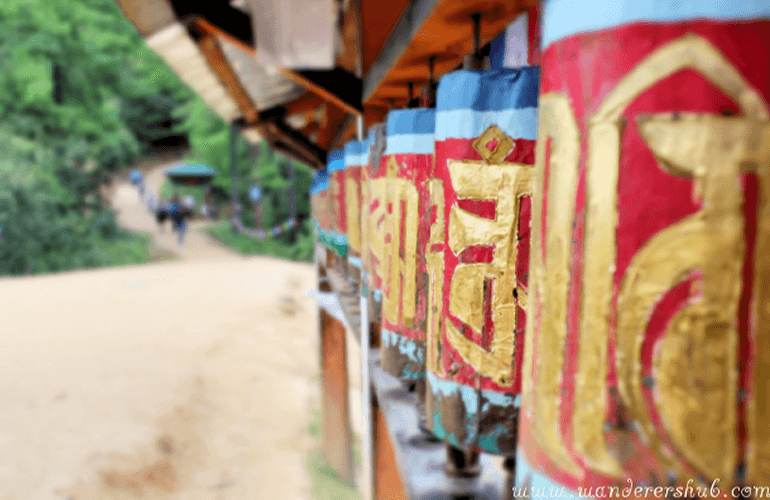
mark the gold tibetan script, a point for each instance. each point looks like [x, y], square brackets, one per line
[353, 214]
[435, 265]
[506, 184]
[402, 227]
[694, 369]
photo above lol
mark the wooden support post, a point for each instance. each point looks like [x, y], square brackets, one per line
[337, 435]
[388, 484]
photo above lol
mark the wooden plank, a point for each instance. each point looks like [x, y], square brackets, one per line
[378, 19]
[440, 28]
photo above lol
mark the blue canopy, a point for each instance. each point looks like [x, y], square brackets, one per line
[190, 170]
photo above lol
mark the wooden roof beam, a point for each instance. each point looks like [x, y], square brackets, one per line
[220, 17]
[283, 135]
[216, 59]
[339, 87]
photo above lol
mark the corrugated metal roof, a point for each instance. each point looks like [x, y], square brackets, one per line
[174, 45]
[265, 89]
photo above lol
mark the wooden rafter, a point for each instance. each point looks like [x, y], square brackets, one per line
[218, 63]
[337, 86]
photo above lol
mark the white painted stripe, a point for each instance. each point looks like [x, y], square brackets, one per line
[330, 303]
[411, 143]
[469, 124]
[564, 18]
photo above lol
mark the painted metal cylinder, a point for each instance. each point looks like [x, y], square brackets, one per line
[409, 170]
[648, 347]
[355, 161]
[339, 236]
[374, 220]
[478, 255]
[319, 205]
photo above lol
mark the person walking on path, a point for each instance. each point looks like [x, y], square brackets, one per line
[255, 195]
[189, 205]
[207, 210]
[161, 213]
[177, 217]
[137, 179]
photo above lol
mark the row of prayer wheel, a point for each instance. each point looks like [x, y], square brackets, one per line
[570, 256]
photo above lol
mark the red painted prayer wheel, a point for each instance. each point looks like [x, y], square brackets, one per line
[478, 255]
[409, 170]
[648, 346]
[373, 222]
[336, 169]
[319, 205]
[355, 161]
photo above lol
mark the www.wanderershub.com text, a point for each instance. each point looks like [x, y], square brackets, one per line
[689, 490]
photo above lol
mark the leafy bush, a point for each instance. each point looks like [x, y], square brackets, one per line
[300, 251]
[41, 235]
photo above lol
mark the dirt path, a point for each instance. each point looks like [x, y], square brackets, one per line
[176, 380]
[133, 215]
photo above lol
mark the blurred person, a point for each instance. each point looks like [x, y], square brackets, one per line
[189, 205]
[208, 206]
[137, 179]
[161, 213]
[176, 210]
[235, 217]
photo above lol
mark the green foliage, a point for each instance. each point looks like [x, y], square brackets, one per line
[80, 95]
[301, 250]
[77, 77]
[41, 234]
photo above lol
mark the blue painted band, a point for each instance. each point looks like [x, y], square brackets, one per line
[354, 261]
[335, 161]
[356, 153]
[320, 181]
[496, 90]
[411, 121]
[497, 51]
[406, 346]
[564, 18]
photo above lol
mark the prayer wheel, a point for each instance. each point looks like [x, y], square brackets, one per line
[645, 368]
[409, 171]
[319, 206]
[477, 256]
[355, 161]
[374, 220]
[339, 236]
